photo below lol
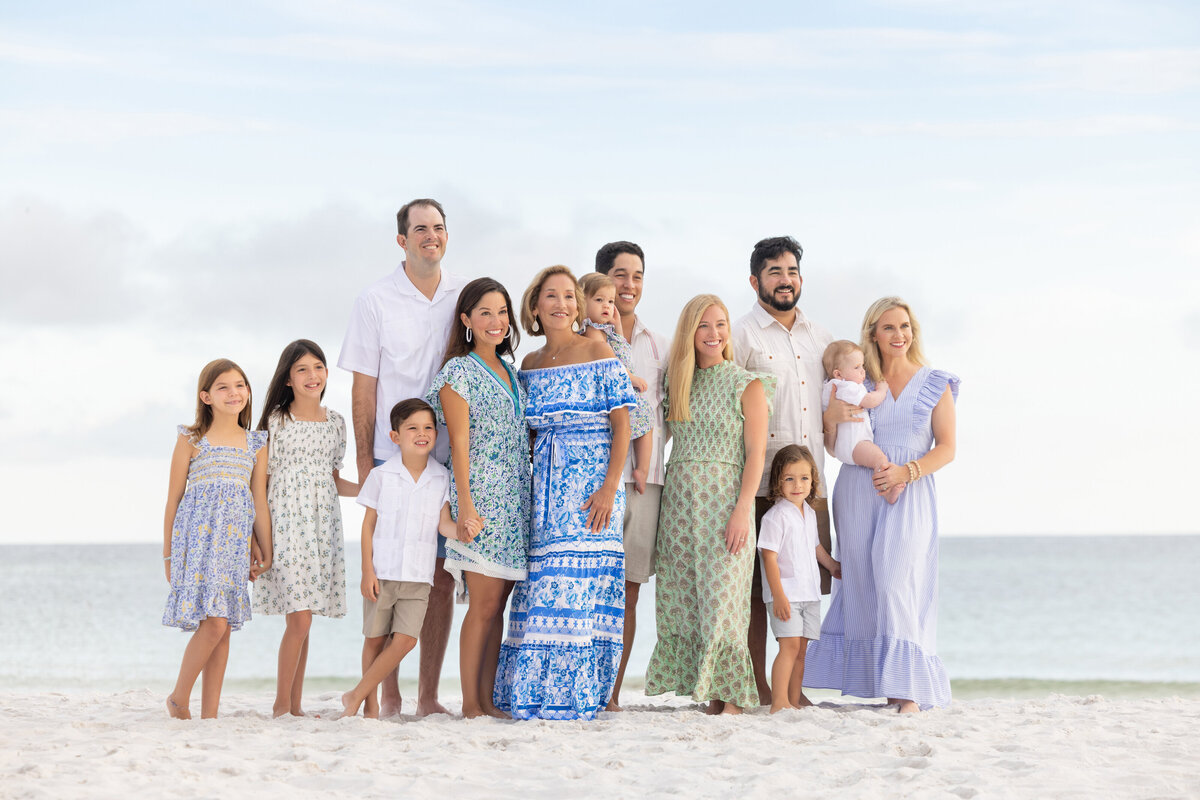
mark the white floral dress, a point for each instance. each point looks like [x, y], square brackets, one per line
[308, 571]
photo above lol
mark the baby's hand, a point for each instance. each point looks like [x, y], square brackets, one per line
[880, 384]
[782, 609]
[639, 385]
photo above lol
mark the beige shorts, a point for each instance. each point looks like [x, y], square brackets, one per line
[399, 609]
[641, 531]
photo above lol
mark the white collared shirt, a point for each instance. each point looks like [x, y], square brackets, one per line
[650, 353]
[762, 344]
[404, 544]
[398, 336]
[793, 536]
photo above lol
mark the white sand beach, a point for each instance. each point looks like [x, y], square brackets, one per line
[55, 745]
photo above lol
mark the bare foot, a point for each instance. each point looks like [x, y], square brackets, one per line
[389, 709]
[893, 494]
[715, 707]
[803, 702]
[370, 713]
[908, 707]
[472, 713]
[492, 711]
[777, 707]
[349, 705]
[731, 709]
[177, 711]
[613, 706]
[427, 707]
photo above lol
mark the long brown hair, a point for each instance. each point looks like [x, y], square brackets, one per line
[471, 296]
[204, 415]
[279, 394]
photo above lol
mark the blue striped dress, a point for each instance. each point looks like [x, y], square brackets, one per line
[566, 620]
[879, 638]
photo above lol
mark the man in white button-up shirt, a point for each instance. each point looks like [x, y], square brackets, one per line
[624, 263]
[394, 345]
[776, 338]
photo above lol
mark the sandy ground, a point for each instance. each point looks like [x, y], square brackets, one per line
[123, 745]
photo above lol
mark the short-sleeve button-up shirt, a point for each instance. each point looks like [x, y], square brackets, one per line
[650, 353]
[762, 344]
[404, 543]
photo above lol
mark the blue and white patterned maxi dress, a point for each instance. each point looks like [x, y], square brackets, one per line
[565, 623]
[879, 638]
[210, 537]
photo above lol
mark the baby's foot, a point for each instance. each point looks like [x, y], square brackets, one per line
[893, 494]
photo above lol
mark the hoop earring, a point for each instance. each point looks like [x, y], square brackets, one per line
[508, 333]
[468, 335]
[534, 327]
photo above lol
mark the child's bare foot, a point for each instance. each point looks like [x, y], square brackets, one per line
[370, 713]
[893, 494]
[427, 707]
[349, 705]
[777, 707]
[492, 711]
[177, 711]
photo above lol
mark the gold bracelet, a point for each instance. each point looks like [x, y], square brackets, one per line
[912, 475]
[918, 466]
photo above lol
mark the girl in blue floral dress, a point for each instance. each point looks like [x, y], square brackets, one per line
[479, 400]
[565, 624]
[215, 498]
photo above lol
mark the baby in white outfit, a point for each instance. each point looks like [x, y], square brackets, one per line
[843, 362]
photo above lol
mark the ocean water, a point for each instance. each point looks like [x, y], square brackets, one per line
[1019, 616]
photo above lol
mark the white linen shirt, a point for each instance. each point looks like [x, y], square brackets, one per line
[404, 543]
[649, 361]
[762, 344]
[398, 336]
[793, 536]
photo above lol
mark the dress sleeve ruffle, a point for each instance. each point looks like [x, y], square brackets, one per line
[594, 387]
[613, 389]
[744, 378]
[339, 453]
[931, 392]
[456, 373]
[256, 440]
[186, 433]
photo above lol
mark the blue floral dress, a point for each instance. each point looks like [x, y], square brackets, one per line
[210, 538]
[565, 622]
[500, 480]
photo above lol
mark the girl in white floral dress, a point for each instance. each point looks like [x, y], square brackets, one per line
[307, 444]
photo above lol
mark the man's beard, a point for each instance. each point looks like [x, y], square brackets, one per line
[779, 305]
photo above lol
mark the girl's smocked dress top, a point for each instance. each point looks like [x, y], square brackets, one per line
[308, 571]
[210, 539]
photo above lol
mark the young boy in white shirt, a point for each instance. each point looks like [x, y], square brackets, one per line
[407, 500]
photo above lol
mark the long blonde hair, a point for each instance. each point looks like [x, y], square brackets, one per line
[681, 366]
[870, 348]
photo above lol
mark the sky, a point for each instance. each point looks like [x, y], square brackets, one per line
[186, 181]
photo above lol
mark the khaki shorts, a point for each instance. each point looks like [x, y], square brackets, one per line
[399, 609]
[641, 531]
[819, 504]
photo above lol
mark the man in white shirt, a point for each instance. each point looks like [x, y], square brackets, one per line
[624, 263]
[394, 345]
[776, 338]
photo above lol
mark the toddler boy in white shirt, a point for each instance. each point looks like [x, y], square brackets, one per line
[407, 500]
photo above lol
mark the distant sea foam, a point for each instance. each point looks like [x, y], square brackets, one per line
[1019, 617]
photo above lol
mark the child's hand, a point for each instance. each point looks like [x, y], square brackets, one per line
[639, 385]
[781, 608]
[258, 567]
[370, 586]
[639, 480]
[167, 568]
[836, 570]
[468, 527]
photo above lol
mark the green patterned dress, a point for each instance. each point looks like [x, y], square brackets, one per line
[703, 593]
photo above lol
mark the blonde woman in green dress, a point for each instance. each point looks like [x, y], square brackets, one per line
[718, 417]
